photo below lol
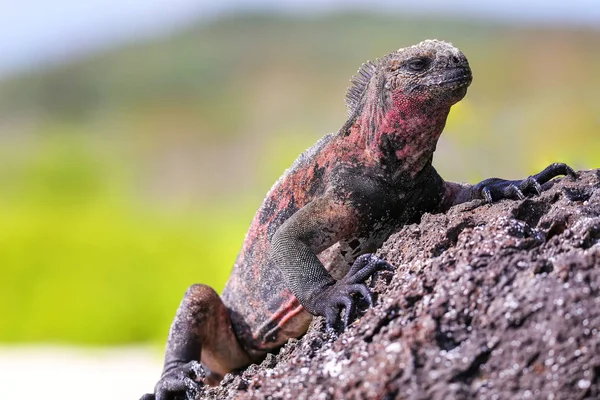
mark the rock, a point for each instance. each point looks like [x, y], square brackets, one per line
[496, 301]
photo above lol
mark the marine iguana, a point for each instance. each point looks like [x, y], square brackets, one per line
[308, 251]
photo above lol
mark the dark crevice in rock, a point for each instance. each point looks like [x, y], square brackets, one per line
[591, 237]
[473, 370]
[445, 341]
[542, 266]
[452, 237]
[531, 211]
[556, 228]
[532, 359]
[382, 323]
[578, 193]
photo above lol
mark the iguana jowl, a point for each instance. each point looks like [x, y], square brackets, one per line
[308, 249]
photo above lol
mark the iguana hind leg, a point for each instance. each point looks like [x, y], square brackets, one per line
[201, 331]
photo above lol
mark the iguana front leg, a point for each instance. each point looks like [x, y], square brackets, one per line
[294, 249]
[494, 189]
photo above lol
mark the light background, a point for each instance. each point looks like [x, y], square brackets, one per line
[138, 138]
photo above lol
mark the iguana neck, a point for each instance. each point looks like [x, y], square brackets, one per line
[401, 139]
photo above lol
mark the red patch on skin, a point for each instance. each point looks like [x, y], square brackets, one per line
[412, 125]
[283, 322]
[287, 311]
[291, 192]
[402, 136]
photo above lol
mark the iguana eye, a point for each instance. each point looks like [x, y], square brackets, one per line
[418, 64]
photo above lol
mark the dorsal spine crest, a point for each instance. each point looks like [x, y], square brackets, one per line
[358, 85]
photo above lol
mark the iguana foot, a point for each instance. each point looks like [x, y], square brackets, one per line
[183, 382]
[494, 189]
[333, 298]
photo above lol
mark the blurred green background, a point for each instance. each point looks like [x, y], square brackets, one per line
[131, 173]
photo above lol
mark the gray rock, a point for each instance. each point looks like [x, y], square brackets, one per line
[496, 301]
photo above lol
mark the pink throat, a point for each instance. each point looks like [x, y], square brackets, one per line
[405, 135]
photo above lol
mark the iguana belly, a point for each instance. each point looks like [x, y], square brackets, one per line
[264, 317]
[265, 313]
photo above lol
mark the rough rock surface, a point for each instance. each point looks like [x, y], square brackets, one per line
[496, 301]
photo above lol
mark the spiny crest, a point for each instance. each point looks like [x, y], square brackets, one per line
[359, 83]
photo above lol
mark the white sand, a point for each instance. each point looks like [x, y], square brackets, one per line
[31, 372]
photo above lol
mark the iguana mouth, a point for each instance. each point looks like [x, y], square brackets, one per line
[458, 82]
[457, 77]
[454, 78]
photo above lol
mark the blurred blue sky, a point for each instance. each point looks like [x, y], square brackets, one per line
[36, 32]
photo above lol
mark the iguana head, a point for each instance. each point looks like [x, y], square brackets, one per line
[431, 71]
[399, 103]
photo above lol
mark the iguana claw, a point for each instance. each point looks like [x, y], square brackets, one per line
[494, 189]
[180, 383]
[341, 294]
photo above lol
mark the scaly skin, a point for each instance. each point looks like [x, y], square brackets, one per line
[308, 249]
